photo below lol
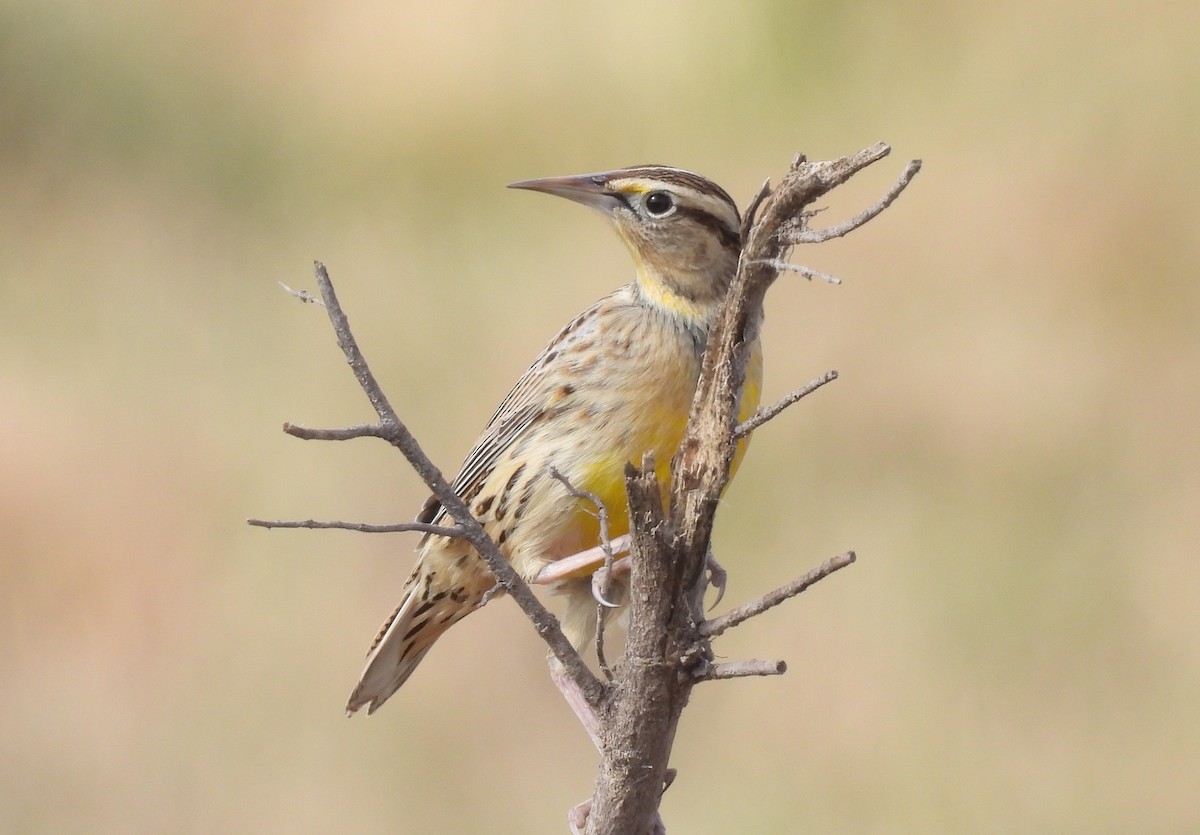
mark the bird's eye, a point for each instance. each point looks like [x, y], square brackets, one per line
[659, 203]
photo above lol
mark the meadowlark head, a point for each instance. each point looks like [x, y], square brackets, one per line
[682, 230]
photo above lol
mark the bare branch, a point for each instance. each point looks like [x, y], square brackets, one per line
[361, 527]
[700, 470]
[666, 646]
[362, 430]
[604, 594]
[763, 415]
[302, 295]
[601, 656]
[358, 364]
[601, 512]
[634, 719]
[396, 433]
[807, 272]
[803, 235]
[498, 588]
[752, 209]
[741, 669]
[639, 725]
[716, 626]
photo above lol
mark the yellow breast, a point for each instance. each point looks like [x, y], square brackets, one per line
[655, 425]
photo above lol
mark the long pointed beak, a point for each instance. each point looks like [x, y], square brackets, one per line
[588, 189]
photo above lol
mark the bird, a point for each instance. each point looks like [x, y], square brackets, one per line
[615, 383]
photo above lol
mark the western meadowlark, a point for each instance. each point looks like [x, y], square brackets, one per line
[615, 383]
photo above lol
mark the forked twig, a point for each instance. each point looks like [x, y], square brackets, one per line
[393, 430]
[803, 235]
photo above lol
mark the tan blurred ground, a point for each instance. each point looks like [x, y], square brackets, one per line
[1013, 448]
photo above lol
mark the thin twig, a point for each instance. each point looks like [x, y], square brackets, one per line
[716, 626]
[497, 588]
[362, 430]
[601, 658]
[742, 669]
[302, 295]
[602, 606]
[396, 433]
[807, 272]
[804, 235]
[751, 210]
[763, 415]
[358, 363]
[601, 512]
[361, 527]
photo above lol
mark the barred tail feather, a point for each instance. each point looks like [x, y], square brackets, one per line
[406, 636]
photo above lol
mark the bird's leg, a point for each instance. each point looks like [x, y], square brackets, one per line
[581, 564]
[592, 560]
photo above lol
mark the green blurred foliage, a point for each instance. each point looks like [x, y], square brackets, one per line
[1012, 448]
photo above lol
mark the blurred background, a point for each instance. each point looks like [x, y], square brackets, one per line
[1012, 448]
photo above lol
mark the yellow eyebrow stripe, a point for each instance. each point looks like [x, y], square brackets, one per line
[636, 186]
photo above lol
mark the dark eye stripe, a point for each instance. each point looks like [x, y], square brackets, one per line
[731, 239]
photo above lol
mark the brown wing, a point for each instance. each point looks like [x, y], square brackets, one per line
[516, 413]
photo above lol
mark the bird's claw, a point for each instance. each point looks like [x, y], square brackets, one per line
[601, 577]
[717, 578]
[600, 586]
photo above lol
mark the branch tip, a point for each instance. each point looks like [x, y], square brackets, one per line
[363, 430]
[716, 626]
[763, 415]
[801, 234]
[302, 295]
[743, 669]
[454, 532]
